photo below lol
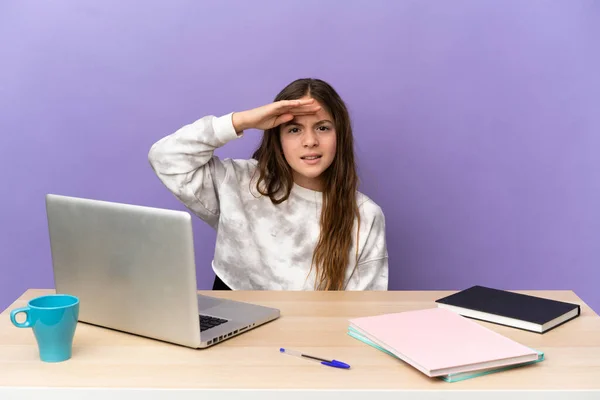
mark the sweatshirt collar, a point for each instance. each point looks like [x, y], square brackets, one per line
[307, 194]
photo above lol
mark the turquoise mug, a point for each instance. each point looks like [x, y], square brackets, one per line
[53, 319]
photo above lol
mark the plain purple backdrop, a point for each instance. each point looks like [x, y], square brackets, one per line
[477, 122]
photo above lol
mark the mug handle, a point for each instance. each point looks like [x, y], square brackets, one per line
[14, 313]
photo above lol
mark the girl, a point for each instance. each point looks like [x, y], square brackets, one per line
[291, 217]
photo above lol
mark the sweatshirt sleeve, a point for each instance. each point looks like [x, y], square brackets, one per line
[185, 164]
[372, 267]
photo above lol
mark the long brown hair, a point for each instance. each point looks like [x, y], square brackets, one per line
[339, 209]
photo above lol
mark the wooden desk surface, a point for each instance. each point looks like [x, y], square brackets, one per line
[314, 322]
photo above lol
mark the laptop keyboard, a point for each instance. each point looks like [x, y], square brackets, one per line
[207, 322]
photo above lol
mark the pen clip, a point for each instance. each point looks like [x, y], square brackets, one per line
[336, 364]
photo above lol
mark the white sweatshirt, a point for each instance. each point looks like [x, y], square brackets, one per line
[260, 246]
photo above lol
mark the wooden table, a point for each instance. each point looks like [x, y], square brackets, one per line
[111, 364]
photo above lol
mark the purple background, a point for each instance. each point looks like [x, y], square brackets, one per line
[477, 123]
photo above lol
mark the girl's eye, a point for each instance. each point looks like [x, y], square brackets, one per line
[294, 130]
[323, 128]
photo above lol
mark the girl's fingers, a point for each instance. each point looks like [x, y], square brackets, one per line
[303, 113]
[304, 110]
[311, 107]
[286, 104]
[282, 119]
[295, 107]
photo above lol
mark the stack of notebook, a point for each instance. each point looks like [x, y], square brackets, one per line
[442, 344]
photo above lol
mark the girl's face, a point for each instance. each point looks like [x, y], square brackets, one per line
[309, 143]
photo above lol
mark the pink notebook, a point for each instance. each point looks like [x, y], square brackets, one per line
[438, 342]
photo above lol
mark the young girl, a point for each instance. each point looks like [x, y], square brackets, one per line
[291, 217]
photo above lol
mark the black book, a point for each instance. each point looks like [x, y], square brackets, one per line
[502, 307]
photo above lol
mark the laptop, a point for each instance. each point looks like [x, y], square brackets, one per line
[133, 269]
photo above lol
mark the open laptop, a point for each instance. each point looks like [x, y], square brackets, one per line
[133, 269]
